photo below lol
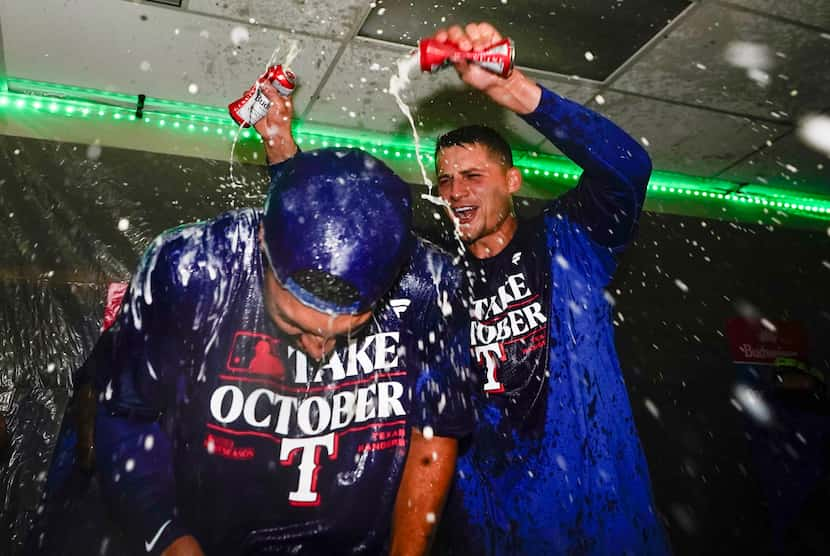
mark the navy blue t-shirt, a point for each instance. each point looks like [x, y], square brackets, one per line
[213, 424]
[509, 330]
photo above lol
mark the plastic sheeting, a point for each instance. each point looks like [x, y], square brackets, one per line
[74, 219]
[45, 332]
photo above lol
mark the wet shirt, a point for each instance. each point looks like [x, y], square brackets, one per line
[554, 465]
[214, 425]
[509, 331]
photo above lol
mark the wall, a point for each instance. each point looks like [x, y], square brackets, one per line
[674, 352]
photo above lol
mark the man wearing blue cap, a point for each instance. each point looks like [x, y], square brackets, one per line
[555, 464]
[275, 376]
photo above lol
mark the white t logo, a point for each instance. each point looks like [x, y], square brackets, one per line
[310, 449]
[490, 355]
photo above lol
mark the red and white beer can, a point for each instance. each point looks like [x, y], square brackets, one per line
[498, 58]
[253, 105]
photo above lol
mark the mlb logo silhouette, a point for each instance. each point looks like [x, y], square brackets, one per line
[257, 354]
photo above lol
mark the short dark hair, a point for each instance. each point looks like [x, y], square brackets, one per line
[472, 134]
[326, 286]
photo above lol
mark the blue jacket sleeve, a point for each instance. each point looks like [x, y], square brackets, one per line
[609, 196]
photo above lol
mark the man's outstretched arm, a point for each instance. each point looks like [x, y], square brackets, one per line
[609, 197]
[443, 411]
[426, 480]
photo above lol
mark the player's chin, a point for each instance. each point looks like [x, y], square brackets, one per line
[467, 233]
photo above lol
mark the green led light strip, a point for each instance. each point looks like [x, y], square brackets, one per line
[27, 98]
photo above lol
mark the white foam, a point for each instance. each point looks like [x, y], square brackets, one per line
[397, 84]
[240, 35]
[755, 58]
[753, 404]
[814, 130]
[233, 148]
[407, 65]
[293, 51]
[748, 55]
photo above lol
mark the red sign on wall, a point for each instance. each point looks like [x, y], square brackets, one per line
[762, 342]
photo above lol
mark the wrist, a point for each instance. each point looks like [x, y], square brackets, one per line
[280, 150]
[526, 93]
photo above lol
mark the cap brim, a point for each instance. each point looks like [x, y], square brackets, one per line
[307, 298]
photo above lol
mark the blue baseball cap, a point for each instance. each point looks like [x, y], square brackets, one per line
[337, 227]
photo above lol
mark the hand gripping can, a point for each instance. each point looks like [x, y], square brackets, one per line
[253, 105]
[498, 58]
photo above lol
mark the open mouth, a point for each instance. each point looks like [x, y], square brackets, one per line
[464, 214]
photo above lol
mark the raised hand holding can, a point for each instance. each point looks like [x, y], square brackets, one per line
[497, 58]
[253, 105]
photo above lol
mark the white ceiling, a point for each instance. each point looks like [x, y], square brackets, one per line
[698, 114]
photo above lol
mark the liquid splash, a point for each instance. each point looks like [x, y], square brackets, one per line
[398, 83]
[293, 51]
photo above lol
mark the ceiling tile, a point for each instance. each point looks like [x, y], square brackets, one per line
[158, 51]
[686, 139]
[812, 12]
[355, 96]
[690, 65]
[575, 89]
[776, 165]
[589, 38]
[334, 18]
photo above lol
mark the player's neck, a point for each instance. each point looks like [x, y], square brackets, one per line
[494, 243]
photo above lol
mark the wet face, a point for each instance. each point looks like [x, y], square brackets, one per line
[478, 188]
[314, 332]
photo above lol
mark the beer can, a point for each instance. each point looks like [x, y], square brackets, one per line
[498, 58]
[253, 105]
